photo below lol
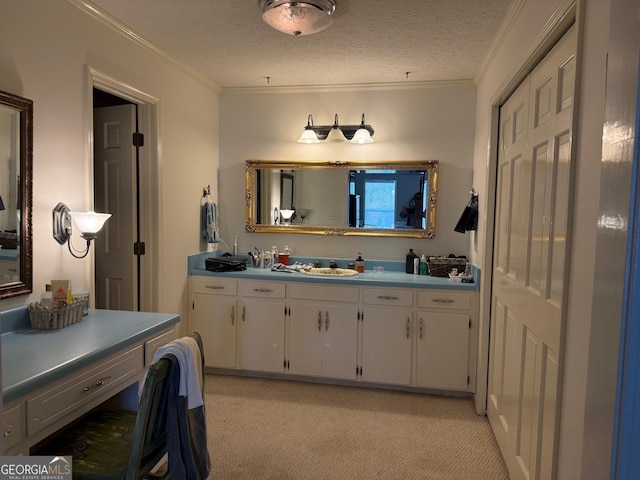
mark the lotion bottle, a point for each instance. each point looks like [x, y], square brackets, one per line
[423, 265]
[360, 263]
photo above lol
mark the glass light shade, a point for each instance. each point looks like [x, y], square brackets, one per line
[336, 136]
[287, 214]
[297, 18]
[89, 223]
[362, 135]
[308, 136]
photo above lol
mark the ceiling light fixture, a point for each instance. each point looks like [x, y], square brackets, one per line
[298, 18]
[336, 133]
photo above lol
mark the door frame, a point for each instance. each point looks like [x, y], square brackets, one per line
[565, 16]
[149, 180]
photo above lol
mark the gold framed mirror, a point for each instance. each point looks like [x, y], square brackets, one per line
[16, 163]
[390, 198]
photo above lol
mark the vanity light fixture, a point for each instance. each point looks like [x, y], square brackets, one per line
[89, 224]
[359, 134]
[298, 18]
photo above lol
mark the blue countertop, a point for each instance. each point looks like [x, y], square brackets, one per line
[392, 276]
[32, 358]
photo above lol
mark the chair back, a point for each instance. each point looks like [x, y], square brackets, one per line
[149, 442]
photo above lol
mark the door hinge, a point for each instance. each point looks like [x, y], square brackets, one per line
[138, 139]
[138, 248]
[469, 323]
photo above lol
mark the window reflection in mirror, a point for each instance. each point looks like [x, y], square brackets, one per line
[342, 198]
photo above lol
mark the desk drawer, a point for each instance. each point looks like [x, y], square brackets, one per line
[13, 426]
[150, 346]
[212, 285]
[444, 299]
[74, 391]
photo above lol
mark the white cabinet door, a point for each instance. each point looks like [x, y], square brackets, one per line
[305, 339]
[214, 318]
[323, 340]
[340, 342]
[261, 335]
[442, 350]
[386, 345]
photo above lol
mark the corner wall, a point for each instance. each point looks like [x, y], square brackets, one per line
[45, 50]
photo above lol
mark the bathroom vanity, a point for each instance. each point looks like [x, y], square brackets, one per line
[378, 329]
[52, 377]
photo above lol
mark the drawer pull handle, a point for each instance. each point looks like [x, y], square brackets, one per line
[421, 329]
[214, 287]
[263, 290]
[408, 327]
[6, 433]
[443, 300]
[326, 321]
[244, 314]
[388, 297]
[98, 384]
[319, 320]
[233, 315]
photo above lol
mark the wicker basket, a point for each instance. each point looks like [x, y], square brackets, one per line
[442, 266]
[52, 318]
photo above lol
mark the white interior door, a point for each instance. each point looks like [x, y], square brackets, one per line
[115, 193]
[534, 164]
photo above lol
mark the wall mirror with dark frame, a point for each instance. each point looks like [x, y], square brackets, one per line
[16, 163]
[391, 198]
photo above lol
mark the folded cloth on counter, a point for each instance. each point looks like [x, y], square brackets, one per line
[296, 267]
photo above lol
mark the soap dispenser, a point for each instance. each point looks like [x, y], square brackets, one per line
[360, 263]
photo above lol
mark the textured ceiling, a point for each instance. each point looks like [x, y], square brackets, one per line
[370, 41]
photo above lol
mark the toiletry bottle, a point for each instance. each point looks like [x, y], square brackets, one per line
[423, 265]
[416, 265]
[235, 247]
[410, 257]
[47, 297]
[274, 254]
[359, 263]
[284, 256]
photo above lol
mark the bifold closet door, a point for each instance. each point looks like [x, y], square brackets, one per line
[530, 257]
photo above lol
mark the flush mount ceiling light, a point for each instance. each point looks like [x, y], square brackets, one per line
[298, 18]
[336, 133]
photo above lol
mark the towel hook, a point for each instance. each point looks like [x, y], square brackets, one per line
[206, 191]
[473, 192]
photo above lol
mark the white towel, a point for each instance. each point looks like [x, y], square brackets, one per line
[190, 368]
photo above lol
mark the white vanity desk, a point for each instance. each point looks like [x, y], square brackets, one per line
[52, 377]
[385, 329]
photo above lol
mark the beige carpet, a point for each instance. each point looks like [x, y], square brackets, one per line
[288, 430]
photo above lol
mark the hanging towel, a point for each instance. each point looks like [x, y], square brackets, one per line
[469, 218]
[209, 222]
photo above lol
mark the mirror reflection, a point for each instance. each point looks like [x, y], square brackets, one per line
[342, 198]
[15, 194]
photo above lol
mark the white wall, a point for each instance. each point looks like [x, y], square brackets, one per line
[428, 123]
[522, 39]
[45, 50]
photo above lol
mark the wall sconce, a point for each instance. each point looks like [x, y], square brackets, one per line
[89, 224]
[336, 133]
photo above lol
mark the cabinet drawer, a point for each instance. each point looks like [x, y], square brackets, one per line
[150, 346]
[388, 296]
[77, 390]
[219, 286]
[262, 289]
[327, 293]
[444, 299]
[13, 426]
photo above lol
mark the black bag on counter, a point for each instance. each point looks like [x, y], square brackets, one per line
[225, 264]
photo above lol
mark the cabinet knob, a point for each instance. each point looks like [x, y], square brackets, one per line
[8, 432]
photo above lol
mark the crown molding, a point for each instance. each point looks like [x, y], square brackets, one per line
[348, 88]
[498, 40]
[113, 23]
